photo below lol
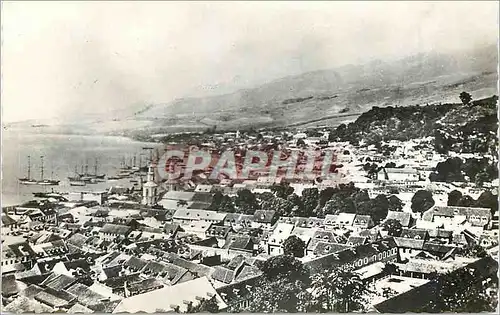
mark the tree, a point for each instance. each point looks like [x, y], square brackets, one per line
[282, 190]
[466, 201]
[337, 205]
[481, 178]
[395, 204]
[465, 97]
[377, 209]
[325, 195]
[454, 198]
[294, 246]
[488, 200]
[393, 227]
[338, 290]
[285, 266]
[461, 291]
[474, 251]
[205, 306]
[310, 200]
[281, 295]
[422, 201]
[246, 202]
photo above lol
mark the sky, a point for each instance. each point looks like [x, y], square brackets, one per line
[64, 58]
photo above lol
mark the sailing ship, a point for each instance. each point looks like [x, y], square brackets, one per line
[30, 181]
[46, 182]
[77, 179]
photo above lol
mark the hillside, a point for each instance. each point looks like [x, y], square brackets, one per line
[325, 97]
[455, 127]
[420, 79]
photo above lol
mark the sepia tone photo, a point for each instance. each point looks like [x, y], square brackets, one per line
[249, 157]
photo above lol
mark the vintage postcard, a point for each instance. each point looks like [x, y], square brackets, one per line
[249, 157]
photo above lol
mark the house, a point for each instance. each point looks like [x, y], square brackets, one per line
[278, 236]
[344, 220]
[398, 175]
[112, 231]
[240, 243]
[325, 248]
[417, 234]
[327, 237]
[219, 232]
[171, 298]
[97, 196]
[18, 253]
[171, 229]
[452, 215]
[363, 222]
[204, 188]
[265, 218]
[356, 257]
[198, 228]
[186, 216]
[404, 218]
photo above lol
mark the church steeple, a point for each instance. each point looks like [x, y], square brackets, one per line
[150, 188]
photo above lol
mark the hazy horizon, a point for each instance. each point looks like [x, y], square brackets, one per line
[61, 59]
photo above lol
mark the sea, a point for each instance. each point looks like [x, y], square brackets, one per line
[61, 154]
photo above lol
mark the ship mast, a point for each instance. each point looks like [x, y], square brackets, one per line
[86, 166]
[95, 167]
[29, 167]
[41, 168]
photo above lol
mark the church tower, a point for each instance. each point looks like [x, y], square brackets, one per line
[150, 188]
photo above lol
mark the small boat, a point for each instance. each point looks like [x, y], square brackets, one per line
[73, 182]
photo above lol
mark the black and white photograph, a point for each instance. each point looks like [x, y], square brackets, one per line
[249, 157]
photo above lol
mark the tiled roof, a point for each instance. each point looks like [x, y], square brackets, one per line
[264, 216]
[115, 229]
[403, 217]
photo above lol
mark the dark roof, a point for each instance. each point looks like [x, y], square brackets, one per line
[31, 291]
[22, 249]
[247, 272]
[219, 231]
[145, 285]
[418, 234]
[118, 282]
[402, 217]
[350, 255]
[223, 274]
[171, 228]
[325, 248]
[115, 229]
[372, 235]
[363, 220]
[58, 282]
[9, 285]
[356, 240]
[84, 295]
[264, 216]
[77, 263]
[235, 262]
[239, 242]
[135, 264]
[197, 269]
[55, 298]
[7, 220]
